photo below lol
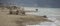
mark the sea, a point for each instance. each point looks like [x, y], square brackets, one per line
[52, 14]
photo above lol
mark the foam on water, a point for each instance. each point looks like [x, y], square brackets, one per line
[52, 14]
[54, 23]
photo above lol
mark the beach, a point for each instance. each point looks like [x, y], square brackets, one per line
[16, 20]
[51, 13]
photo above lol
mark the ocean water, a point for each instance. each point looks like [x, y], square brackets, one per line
[52, 14]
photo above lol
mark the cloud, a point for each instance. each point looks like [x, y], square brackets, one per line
[37, 3]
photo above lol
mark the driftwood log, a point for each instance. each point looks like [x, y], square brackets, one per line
[17, 12]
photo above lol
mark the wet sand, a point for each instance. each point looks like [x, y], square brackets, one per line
[19, 20]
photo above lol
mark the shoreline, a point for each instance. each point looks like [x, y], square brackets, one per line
[14, 20]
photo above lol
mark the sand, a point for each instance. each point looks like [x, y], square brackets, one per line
[19, 20]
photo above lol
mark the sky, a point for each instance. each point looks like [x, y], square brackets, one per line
[33, 3]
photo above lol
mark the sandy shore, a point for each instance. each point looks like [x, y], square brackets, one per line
[19, 20]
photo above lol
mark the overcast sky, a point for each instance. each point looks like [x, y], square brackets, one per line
[37, 3]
